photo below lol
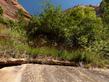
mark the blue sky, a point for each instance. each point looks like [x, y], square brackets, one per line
[36, 6]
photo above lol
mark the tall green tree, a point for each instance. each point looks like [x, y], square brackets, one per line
[87, 27]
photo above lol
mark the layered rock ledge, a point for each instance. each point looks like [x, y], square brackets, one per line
[10, 8]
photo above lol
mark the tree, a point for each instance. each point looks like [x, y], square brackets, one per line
[75, 28]
[50, 24]
[104, 6]
[87, 27]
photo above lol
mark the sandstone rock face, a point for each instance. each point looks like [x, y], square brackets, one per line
[10, 8]
[46, 73]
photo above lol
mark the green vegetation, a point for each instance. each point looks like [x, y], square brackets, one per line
[76, 35]
[1, 11]
[69, 29]
[105, 11]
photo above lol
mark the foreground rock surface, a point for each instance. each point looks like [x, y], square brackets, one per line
[47, 73]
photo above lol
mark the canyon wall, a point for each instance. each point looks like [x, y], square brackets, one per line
[11, 7]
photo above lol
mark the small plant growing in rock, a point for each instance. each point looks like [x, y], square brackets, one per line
[1, 11]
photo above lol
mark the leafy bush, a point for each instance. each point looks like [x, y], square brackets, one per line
[1, 11]
[88, 27]
[77, 27]
[49, 24]
[104, 7]
[76, 35]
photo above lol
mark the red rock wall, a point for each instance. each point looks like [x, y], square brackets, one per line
[10, 8]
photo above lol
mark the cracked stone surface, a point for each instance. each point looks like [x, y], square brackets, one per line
[49, 73]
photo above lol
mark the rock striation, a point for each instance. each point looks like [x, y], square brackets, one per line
[50, 73]
[10, 8]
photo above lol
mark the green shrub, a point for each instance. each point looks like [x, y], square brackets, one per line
[78, 27]
[1, 11]
[76, 35]
[49, 24]
[87, 29]
[104, 8]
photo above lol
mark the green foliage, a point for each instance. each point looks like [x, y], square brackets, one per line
[49, 24]
[76, 56]
[104, 6]
[7, 22]
[19, 25]
[1, 11]
[87, 26]
[76, 35]
[20, 14]
[78, 27]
